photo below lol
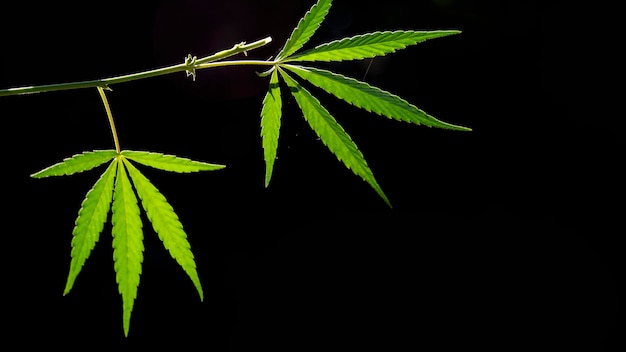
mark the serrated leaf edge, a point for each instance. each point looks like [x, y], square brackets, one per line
[168, 162]
[367, 45]
[90, 222]
[65, 167]
[344, 138]
[271, 113]
[128, 246]
[305, 28]
[178, 247]
[370, 98]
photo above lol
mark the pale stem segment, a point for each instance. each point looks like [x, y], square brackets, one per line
[107, 107]
[190, 65]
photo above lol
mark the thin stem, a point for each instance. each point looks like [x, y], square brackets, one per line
[236, 62]
[107, 107]
[190, 65]
[238, 48]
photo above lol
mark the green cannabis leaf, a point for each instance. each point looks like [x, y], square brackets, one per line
[90, 222]
[169, 162]
[121, 187]
[367, 45]
[117, 190]
[127, 242]
[305, 28]
[270, 124]
[350, 90]
[77, 163]
[331, 133]
[369, 98]
[166, 224]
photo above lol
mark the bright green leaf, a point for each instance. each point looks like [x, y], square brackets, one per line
[370, 98]
[90, 222]
[305, 28]
[127, 242]
[332, 134]
[169, 162]
[368, 45]
[77, 163]
[166, 224]
[270, 124]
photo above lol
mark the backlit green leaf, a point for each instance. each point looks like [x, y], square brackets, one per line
[90, 222]
[169, 162]
[305, 28]
[270, 124]
[368, 45]
[332, 134]
[77, 163]
[127, 242]
[370, 98]
[166, 224]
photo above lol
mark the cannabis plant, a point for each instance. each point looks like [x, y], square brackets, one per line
[122, 187]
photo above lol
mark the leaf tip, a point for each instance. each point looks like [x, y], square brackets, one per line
[68, 285]
[268, 175]
[200, 291]
[126, 321]
[463, 128]
[384, 197]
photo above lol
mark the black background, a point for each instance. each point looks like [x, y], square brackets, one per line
[502, 238]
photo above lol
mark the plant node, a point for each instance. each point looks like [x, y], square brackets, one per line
[191, 63]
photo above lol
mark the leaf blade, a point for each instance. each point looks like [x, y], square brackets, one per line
[169, 162]
[166, 224]
[90, 222]
[368, 45]
[270, 124]
[305, 29]
[127, 243]
[332, 134]
[77, 163]
[370, 98]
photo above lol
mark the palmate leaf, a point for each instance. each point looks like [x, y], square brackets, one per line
[368, 45]
[165, 223]
[77, 163]
[270, 124]
[90, 222]
[305, 29]
[332, 134]
[127, 242]
[114, 190]
[169, 162]
[369, 98]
